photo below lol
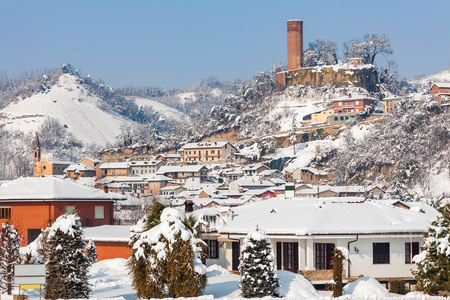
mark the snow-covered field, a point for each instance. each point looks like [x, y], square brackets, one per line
[109, 280]
[72, 105]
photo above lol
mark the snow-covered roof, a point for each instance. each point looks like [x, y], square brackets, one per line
[445, 85]
[155, 177]
[315, 171]
[51, 188]
[277, 180]
[107, 233]
[204, 145]
[115, 165]
[171, 169]
[145, 163]
[253, 182]
[354, 97]
[253, 167]
[268, 172]
[78, 167]
[327, 216]
[171, 188]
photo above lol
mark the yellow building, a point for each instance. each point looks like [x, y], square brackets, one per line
[207, 151]
[389, 104]
[46, 167]
[317, 117]
[115, 169]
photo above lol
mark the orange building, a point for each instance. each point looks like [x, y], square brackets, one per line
[111, 241]
[351, 104]
[441, 92]
[33, 203]
[207, 151]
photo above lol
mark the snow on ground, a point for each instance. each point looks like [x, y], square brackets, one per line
[168, 112]
[69, 103]
[109, 280]
[187, 97]
[443, 76]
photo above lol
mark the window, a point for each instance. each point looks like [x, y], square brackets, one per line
[218, 152]
[194, 152]
[70, 209]
[213, 151]
[381, 253]
[5, 212]
[335, 118]
[356, 102]
[340, 104]
[287, 256]
[33, 234]
[99, 212]
[411, 249]
[324, 254]
[213, 249]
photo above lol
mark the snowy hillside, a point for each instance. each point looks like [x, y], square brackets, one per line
[426, 81]
[169, 113]
[72, 105]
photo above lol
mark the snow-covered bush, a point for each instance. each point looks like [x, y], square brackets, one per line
[433, 263]
[166, 259]
[256, 267]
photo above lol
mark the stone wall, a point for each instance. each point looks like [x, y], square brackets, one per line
[360, 76]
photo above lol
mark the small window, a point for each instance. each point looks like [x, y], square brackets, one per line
[335, 118]
[212, 250]
[356, 102]
[381, 253]
[411, 250]
[5, 213]
[33, 234]
[212, 152]
[70, 209]
[99, 212]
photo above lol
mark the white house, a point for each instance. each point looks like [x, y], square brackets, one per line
[381, 238]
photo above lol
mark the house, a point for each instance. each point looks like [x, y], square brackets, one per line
[79, 170]
[91, 162]
[115, 169]
[249, 183]
[190, 174]
[44, 166]
[172, 190]
[207, 151]
[313, 175]
[32, 203]
[254, 169]
[381, 239]
[145, 167]
[233, 174]
[168, 157]
[441, 92]
[389, 104]
[318, 191]
[270, 174]
[352, 104]
[317, 117]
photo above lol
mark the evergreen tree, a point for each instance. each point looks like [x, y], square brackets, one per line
[165, 260]
[67, 263]
[91, 252]
[9, 256]
[433, 263]
[256, 267]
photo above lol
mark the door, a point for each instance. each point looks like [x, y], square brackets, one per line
[235, 253]
[290, 257]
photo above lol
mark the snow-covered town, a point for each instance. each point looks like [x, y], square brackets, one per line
[327, 176]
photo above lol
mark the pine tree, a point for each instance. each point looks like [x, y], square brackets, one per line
[433, 263]
[256, 268]
[91, 252]
[9, 256]
[67, 263]
[165, 260]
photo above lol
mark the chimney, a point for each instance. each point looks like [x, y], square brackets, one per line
[349, 95]
[294, 44]
[105, 188]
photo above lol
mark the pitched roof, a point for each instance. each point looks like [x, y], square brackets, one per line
[205, 145]
[78, 167]
[171, 169]
[115, 165]
[51, 188]
[327, 216]
[443, 84]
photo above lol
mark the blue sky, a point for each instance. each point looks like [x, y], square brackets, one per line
[177, 43]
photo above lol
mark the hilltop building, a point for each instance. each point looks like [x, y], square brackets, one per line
[207, 151]
[354, 74]
[441, 92]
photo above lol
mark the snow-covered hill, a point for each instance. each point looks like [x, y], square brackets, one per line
[169, 113]
[72, 105]
[426, 81]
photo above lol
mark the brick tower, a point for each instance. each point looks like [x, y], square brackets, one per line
[294, 44]
[36, 154]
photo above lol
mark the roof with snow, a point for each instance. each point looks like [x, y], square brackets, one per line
[78, 167]
[442, 84]
[171, 169]
[354, 97]
[253, 182]
[205, 145]
[107, 233]
[51, 188]
[351, 215]
[145, 163]
[115, 165]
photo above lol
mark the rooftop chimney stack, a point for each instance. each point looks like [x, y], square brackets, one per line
[294, 44]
